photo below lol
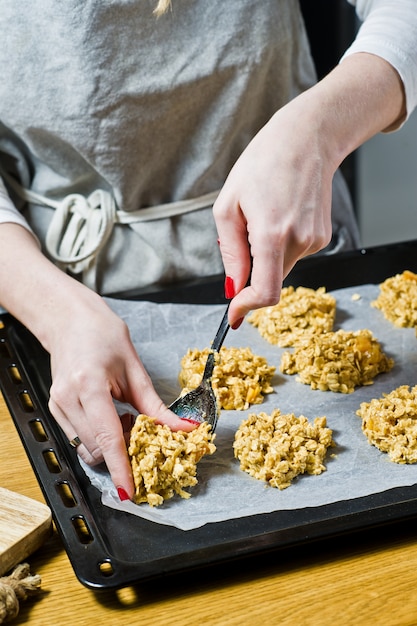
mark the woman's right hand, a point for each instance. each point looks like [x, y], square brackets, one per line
[93, 360]
[275, 205]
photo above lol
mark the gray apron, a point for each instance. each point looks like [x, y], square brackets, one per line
[121, 128]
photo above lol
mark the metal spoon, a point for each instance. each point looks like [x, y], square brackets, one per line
[200, 404]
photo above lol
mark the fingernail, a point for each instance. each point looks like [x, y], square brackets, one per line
[229, 288]
[122, 494]
[238, 322]
[189, 419]
[218, 242]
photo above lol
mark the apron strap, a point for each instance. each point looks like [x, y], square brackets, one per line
[81, 226]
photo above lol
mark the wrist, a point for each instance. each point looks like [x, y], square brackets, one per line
[66, 305]
[35, 291]
[361, 97]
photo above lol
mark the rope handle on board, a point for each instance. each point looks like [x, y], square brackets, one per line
[14, 588]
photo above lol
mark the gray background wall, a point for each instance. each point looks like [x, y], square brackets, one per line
[386, 186]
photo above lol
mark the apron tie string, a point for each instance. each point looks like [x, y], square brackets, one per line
[81, 226]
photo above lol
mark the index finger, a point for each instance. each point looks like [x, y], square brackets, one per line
[265, 284]
[107, 430]
[233, 239]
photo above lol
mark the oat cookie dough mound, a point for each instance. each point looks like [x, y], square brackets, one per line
[390, 423]
[299, 312]
[398, 299]
[337, 361]
[165, 462]
[276, 448]
[240, 378]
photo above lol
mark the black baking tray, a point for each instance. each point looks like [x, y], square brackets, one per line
[112, 549]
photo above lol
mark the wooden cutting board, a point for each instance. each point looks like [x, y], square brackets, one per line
[24, 526]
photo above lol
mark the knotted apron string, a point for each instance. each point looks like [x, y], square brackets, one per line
[81, 226]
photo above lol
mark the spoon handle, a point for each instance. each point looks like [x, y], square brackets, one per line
[221, 333]
[216, 345]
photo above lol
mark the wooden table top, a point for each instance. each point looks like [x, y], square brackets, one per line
[366, 578]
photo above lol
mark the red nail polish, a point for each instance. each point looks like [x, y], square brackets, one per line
[238, 322]
[229, 288]
[189, 419]
[122, 494]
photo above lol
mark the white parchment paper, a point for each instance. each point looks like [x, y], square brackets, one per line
[162, 334]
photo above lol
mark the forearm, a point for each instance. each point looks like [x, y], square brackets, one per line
[34, 290]
[362, 96]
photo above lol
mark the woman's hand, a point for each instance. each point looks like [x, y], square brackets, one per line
[93, 359]
[273, 209]
[275, 206]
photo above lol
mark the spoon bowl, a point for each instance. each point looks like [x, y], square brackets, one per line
[200, 404]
